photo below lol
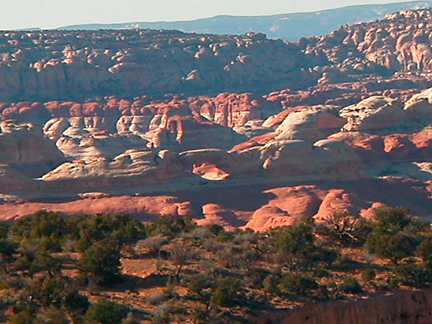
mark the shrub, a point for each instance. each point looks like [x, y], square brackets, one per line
[46, 291]
[117, 229]
[24, 313]
[41, 224]
[387, 245]
[170, 226]
[152, 244]
[75, 301]
[225, 236]
[180, 255]
[215, 229]
[368, 275]
[102, 262]
[105, 312]
[24, 317]
[395, 235]
[297, 284]
[167, 313]
[393, 282]
[296, 241]
[324, 256]
[343, 228]
[416, 275]
[350, 285]
[424, 250]
[391, 218]
[197, 283]
[271, 285]
[7, 249]
[226, 292]
[55, 316]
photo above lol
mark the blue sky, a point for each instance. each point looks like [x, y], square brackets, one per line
[16, 14]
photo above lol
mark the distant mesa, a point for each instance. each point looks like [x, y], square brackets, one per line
[289, 27]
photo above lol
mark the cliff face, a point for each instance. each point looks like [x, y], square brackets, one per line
[401, 307]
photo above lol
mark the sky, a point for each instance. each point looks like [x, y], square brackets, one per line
[47, 14]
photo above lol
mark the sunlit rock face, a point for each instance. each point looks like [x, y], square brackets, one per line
[246, 131]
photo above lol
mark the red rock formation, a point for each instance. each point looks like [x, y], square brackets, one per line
[95, 110]
[62, 64]
[395, 147]
[52, 65]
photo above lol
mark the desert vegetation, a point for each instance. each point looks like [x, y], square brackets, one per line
[114, 269]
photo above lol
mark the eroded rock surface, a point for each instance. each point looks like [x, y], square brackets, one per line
[24, 147]
[348, 109]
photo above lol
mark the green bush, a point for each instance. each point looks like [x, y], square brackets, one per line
[368, 275]
[215, 229]
[8, 249]
[170, 226]
[226, 292]
[394, 219]
[350, 285]
[41, 224]
[393, 282]
[76, 302]
[115, 229]
[101, 262]
[297, 284]
[105, 312]
[55, 316]
[271, 285]
[197, 283]
[387, 245]
[424, 250]
[416, 275]
[296, 240]
[24, 313]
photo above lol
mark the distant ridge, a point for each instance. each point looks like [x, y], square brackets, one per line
[285, 26]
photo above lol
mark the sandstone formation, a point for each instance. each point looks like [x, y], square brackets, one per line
[319, 143]
[66, 65]
[133, 167]
[93, 146]
[164, 123]
[23, 147]
[311, 124]
[52, 65]
[373, 113]
[141, 111]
